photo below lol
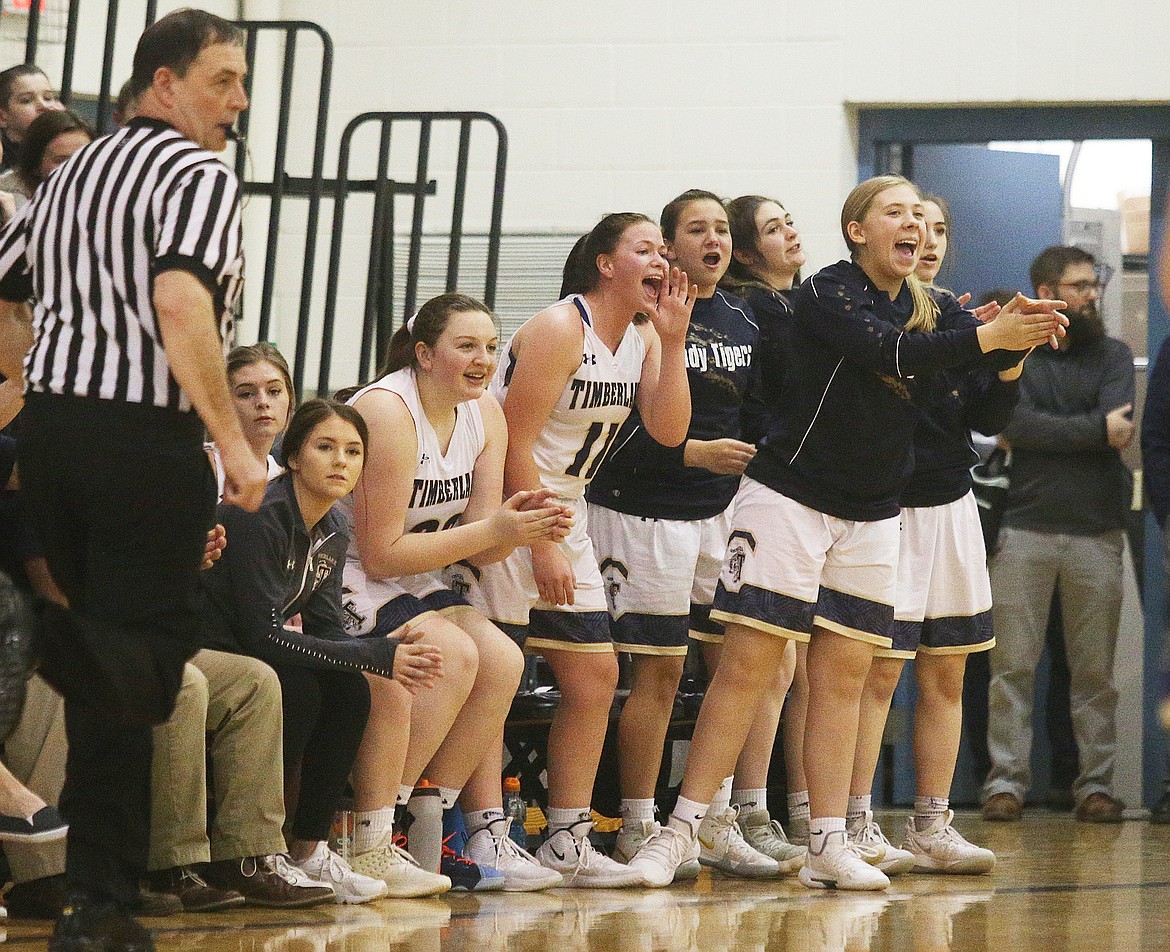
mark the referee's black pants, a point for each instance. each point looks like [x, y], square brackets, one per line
[122, 496]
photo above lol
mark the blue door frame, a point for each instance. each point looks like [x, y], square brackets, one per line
[885, 142]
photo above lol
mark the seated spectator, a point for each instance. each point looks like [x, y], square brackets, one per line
[49, 142]
[229, 706]
[262, 390]
[25, 817]
[125, 106]
[282, 561]
[234, 702]
[25, 93]
[21, 555]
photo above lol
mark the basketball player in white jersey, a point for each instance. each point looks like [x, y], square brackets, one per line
[567, 381]
[431, 496]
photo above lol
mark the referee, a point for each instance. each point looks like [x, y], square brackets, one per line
[131, 253]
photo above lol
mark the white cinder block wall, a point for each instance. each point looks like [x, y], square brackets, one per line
[612, 105]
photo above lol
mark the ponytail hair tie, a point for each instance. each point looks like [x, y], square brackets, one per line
[410, 324]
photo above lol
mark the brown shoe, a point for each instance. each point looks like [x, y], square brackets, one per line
[1002, 807]
[269, 881]
[192, 891]
[1100, 808]
[155, 905]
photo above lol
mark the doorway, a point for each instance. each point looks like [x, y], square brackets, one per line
[933, 140]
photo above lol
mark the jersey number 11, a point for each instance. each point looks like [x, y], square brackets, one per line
[586, 450]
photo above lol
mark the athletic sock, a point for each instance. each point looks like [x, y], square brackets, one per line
[929, 809]
[798, 805]
[687, 816]
[722, 799]
[478, 820]
[858, 807]
[750, 800]
[369, 828]
[637, 810]
[404, 792]
[577, 820]
[819, 830]
[448, 796]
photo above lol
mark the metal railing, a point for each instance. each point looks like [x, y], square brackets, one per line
[281, 185]
[378, 311]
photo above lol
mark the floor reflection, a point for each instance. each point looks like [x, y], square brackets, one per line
[1058, 886]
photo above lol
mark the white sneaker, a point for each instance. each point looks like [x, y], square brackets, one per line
[582, 866]
[403, 877]
[724, 848]
[522, 873]
[663, 853]
[839, 866]
[634, 834]
[865, 833]
[291, 873]
[798, 830]
[766, 836]
[940, 848]
[349, 887]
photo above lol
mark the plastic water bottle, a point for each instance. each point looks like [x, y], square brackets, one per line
[424, 835]
[515, 809]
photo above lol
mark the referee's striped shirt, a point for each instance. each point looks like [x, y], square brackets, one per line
[87, 247]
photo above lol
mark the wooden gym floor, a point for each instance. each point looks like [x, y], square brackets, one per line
[1059, 885]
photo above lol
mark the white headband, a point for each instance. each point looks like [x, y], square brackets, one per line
[410, 324]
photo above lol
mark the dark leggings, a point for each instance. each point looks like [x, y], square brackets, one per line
[325, 716]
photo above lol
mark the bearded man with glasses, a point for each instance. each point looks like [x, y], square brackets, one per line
[1063, 523]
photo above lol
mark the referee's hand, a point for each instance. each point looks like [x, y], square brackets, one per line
[244, 476]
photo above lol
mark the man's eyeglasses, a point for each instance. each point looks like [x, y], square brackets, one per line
[1083, 287]
[1104, 273]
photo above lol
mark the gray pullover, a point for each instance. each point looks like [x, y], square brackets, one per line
[1065, 477]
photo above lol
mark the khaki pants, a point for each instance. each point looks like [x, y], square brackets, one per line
[229, 705]
[35, 753]
[1024, 573]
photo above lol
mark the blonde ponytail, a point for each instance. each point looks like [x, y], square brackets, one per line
[926, 312]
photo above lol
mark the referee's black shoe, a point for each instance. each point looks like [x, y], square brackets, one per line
[16, 653]
[92, 925]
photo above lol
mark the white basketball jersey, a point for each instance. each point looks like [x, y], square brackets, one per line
[590, 411]
[442, 481]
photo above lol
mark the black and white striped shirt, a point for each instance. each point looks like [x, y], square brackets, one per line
[87, 248]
